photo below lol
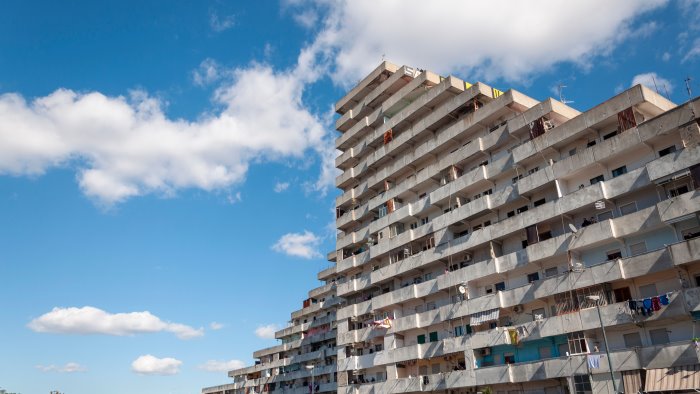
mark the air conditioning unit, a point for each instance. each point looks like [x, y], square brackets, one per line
[485, 351]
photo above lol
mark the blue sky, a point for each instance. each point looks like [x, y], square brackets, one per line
[166, 172]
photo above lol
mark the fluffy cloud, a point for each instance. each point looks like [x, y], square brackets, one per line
[208, 72]
[221, 366]
[68, 368]
[150, 365]
[267, 331]
[216, 326]
[281, 186]
[91, 320]
[653, 82]
[124, 147]
[304, 245]
[489, 39]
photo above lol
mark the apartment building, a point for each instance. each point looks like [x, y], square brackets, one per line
[487, 228]
[306, 355]
[486, 238]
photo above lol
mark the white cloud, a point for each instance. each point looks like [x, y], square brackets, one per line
[653, 82]
[694, 51]
[220, 23]
[267, 331]
[216, 326]
[150, 365]
[68, 368]
[221, 366]
[91, 320]
[125, 147]
[281, 186]
[666, 56]
[492, 39]
[208, 72]
[303, 245]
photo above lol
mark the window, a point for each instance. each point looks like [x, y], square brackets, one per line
[468, 329]
[539, 202]
[428, 276]
[517, 178]
[597, 179]
[545, 352]
[605, 216]
[459, 331]
[533, 170]
[638, 248]
[614, 254]
[632, 340]
[577, 343]
[511, 214]
[430, 306]
[487, 223]
[609, 135]
[424, 220]
[619, 171]
[572, 152]
[538, 312]
[667, 151]
[524, 243]
[628, 208]
[590, 143]
[622, 294]
[533, 277]
[382, 210]
[435, 368]
[678, 191]
[500, 286]
[421, 338]
[659, 336]
[549, 272]
[582, 384]
[414, 225]
[509, 358]
[648, 291]
[433, 336]
[521, 209]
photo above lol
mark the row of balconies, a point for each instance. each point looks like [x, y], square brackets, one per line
[650, 357]
[480, 118]
[625, 268]
[300, 358]
[303, 373]
[635, 96]
[364, 87]
[285, 347]
[397, 80]
[297, 328]
[313, 308]
[609, 189]
[431, 97]
[398, 101]
[562, 169]
[321, 290]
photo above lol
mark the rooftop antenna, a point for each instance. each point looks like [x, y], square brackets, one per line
[383, 57]
[655, 87]
[560, 88]
[687, 86]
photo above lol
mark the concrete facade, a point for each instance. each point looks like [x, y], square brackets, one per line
[474, 224]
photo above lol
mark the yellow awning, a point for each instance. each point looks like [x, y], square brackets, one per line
[685, 377]
[632, 381]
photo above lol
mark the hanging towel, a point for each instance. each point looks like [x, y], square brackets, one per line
[632, 305]
[594, 361]
[656, 305]
[513, 334]
[647, 303]
[663, 299]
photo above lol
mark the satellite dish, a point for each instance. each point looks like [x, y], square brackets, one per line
[573, 228]
[462, 289]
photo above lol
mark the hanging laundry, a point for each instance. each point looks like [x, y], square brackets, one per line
[647, 303]
[633, 306]
[655, 303]
[663, 299]
[513, 334]
[594, 361]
